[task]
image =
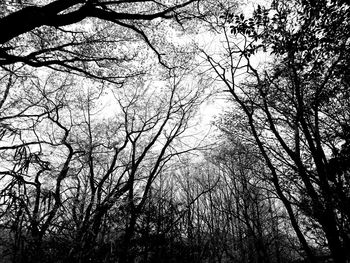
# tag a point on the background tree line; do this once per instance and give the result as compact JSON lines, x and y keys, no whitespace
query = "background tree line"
{"x":101,"y":157}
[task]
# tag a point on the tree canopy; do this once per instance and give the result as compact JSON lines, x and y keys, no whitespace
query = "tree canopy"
{"x":103,"y":155}
{"x":86,"y":37}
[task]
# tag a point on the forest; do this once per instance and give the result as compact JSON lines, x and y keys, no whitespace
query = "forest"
{"x":199,"y":131}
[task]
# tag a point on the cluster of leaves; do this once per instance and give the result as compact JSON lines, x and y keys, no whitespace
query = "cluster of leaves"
{"x":249,"y":26}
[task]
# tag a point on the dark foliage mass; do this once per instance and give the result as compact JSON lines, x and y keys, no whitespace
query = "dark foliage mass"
{"x":100,"y":159}
{"x":297,"y":111}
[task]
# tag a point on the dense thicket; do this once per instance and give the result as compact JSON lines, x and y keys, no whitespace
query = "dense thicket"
{"x":297,"y":112}
{"x":102,"y":157}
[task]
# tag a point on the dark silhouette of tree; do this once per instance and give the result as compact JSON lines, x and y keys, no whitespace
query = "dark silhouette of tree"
{"x":97,"y":161}
{"x":62,"y":13}
{"x":31,"y":205}
{"x":71,"y":179}
{"x":96,"y":39}
{"x":73,"y":184}
{"x":296,"y":108}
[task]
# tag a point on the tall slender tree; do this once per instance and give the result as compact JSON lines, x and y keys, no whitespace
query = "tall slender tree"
{"x":296,"y":107}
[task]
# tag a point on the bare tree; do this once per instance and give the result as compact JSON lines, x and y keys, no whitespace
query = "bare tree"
{"x":32,"y":130}
{"x":82,"y":179}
